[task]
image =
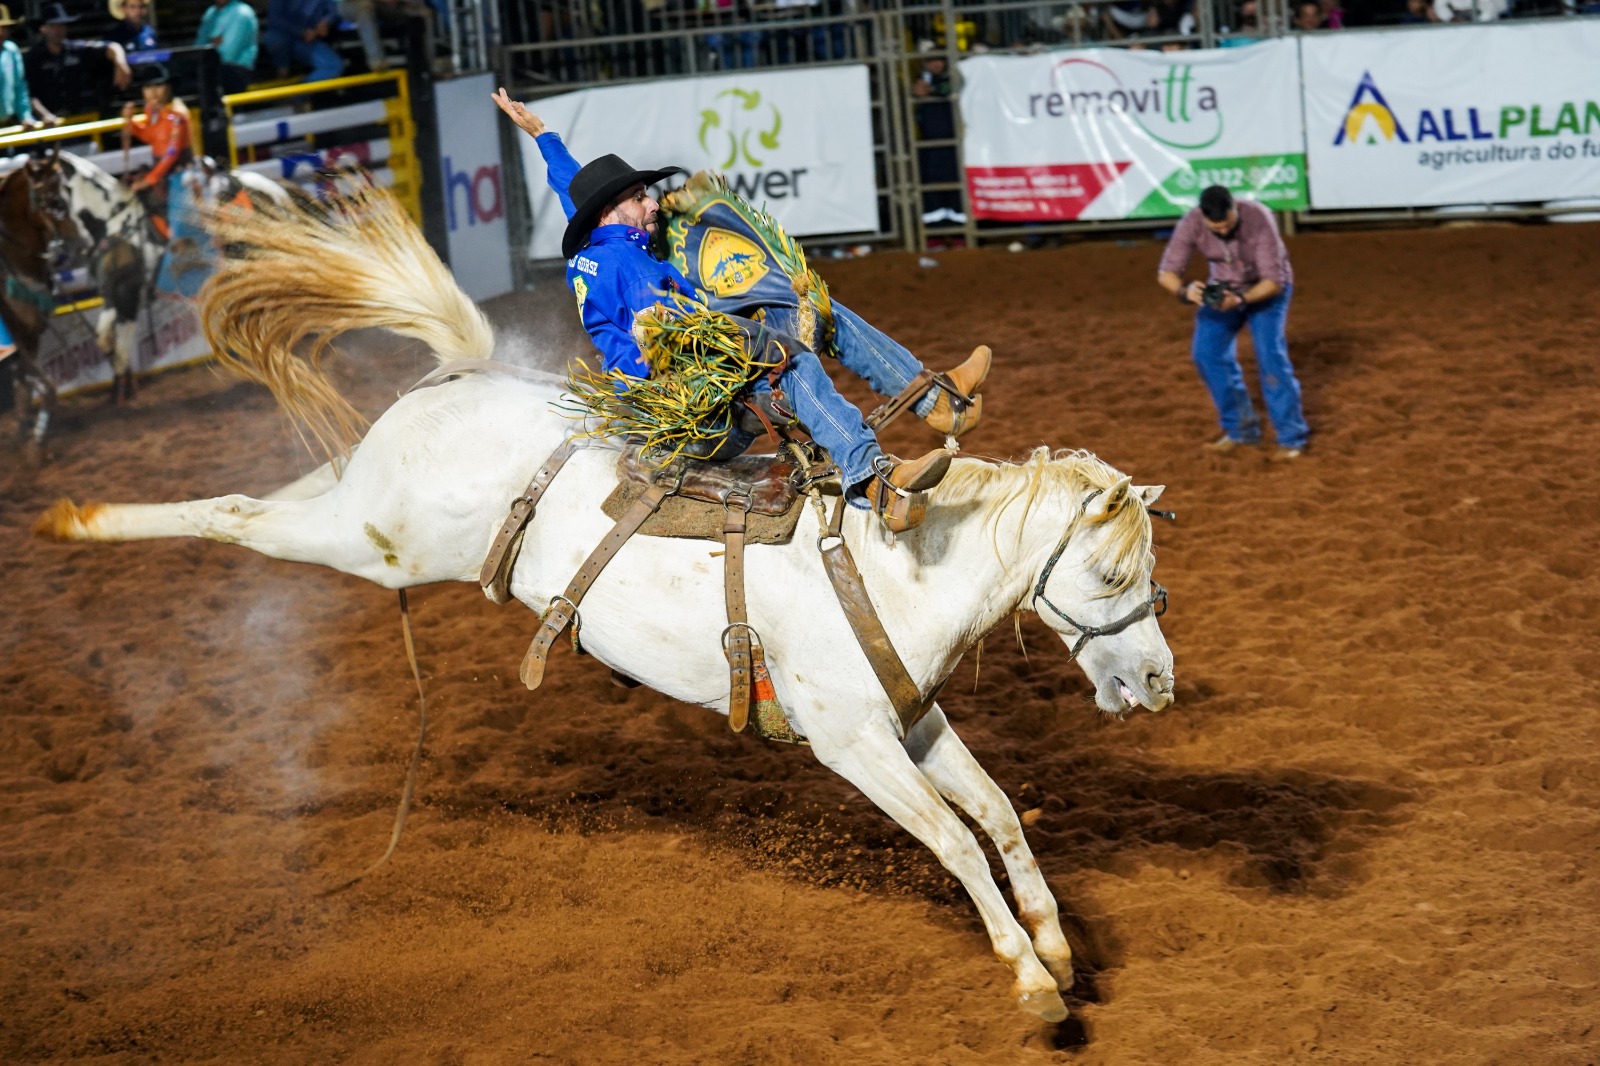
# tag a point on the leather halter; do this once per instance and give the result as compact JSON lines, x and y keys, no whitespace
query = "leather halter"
{"x":1156,"y":604}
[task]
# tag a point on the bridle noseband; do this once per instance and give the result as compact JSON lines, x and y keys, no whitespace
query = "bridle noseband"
{"x":1156,"y":604}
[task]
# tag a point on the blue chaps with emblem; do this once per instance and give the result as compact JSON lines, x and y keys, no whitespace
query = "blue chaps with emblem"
{"x":833,"y":421}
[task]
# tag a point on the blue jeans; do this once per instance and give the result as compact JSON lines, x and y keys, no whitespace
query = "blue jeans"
{"x":287,"y":49}
{"x":1217,"y":357}
{"x":833,"y":421}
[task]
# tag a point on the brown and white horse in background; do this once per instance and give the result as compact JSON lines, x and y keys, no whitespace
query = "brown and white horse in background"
{"x":34,"y":224}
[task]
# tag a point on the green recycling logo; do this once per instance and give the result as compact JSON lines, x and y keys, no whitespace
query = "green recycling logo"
{"x":744,"y":123}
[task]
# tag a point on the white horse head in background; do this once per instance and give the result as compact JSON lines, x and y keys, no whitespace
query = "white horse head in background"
{"x":424,"y":495}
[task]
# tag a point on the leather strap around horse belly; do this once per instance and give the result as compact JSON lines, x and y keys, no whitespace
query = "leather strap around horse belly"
{"x":495,"y":576}
{"x":736,"y":638}
{"x":564,"y":608}
{"x":902,"y":691}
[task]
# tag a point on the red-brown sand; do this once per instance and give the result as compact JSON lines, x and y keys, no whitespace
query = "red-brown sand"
{"x":1367,"y":833}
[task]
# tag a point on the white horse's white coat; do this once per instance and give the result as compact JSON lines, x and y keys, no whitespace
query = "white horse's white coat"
{"x":428,"y":487}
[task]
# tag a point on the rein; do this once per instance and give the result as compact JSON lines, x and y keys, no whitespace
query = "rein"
{"x":1156,"y":604}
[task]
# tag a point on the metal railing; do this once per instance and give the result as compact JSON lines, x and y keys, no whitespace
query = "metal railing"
{"x":284,"y":144}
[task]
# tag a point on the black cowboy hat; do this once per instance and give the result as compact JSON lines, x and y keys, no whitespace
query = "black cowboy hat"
{"x":56,"y":13}
{"x":594,"y":187}
{"x":151,"y":74}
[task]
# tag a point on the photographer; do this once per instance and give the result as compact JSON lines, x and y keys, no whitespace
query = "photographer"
{"x":1250,"y":281}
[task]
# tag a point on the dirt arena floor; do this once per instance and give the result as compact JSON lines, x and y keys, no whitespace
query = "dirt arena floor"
{"x":1367,"y":833}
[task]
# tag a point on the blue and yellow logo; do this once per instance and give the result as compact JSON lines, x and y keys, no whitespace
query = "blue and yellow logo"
{"x":731,"y":265}
{"x":1369,"y":117}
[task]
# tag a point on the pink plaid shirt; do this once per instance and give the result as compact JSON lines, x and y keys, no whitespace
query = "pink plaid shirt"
{"x":1255,"y":252}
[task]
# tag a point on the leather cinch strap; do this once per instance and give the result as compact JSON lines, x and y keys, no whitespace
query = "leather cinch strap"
{"x":564,"y":608}
{"x":495,"y":576}
{"x":902,"y":691}
{"x":736,"y":639}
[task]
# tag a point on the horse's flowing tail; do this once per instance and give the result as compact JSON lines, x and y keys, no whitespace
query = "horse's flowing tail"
{"x":296,"y":277}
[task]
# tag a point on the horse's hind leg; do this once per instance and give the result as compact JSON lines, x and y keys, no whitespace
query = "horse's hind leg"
{"x":306,"y":531}
{"x":947,"y":763}
{"x":876,"y":763}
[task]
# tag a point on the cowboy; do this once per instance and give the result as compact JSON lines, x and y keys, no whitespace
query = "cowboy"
{"x":133,"y":30}
{"x":65,"y":74}
{"x":16,"y":107}
{"x":164,"y":126}
{"x":611,"y":269}
{"x":230,"y":26}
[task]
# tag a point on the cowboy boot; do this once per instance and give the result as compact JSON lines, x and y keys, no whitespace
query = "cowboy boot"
{"x":118,"y":394}
{"x":896,"y":494}
{"x":132,"y":388}
{"x":954,"y":416}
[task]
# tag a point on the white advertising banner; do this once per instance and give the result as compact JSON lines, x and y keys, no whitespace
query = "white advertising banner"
{"x":798,"y":143}
{"x":168,"y":335}
{"x":474,"y":187}
{"x":1112,"y":133}
{"x":1454,"y":115}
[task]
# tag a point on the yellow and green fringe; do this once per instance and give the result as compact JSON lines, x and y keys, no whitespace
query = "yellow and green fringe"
{"x":699,"y":364}
{"x":682,"y":209}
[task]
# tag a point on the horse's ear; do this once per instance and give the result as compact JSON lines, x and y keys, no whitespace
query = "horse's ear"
{"x":1111,"y":500}
{"x":1149,"y":494}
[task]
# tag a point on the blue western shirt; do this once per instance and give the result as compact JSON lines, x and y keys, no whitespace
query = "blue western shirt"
{"x":614,"y":276}
{"x":234,"y":27}
{"x":14,"y":102}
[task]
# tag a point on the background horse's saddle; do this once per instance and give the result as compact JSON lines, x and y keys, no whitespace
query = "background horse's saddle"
{"x":770,"y":483}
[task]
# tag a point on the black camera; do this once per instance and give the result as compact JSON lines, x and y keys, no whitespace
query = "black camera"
{"x":1213,"y":295}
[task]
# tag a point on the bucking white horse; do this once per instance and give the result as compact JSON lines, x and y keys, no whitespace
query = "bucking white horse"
{"x":421,"y":499}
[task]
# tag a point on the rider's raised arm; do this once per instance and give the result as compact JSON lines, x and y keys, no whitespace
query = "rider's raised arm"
{"x":560,"y":167}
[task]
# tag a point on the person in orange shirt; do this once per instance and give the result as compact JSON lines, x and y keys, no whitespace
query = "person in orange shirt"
{"x":164,"y":126}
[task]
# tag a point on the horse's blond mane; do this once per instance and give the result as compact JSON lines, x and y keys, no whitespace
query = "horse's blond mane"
{"x":997,"y":486}
{"x":296,"y":277}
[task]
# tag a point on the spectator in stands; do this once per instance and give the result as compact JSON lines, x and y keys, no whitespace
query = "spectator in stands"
{"x":735,"y":48}
{"x":364,"y":13}
{"x":164,"y":126}
{"x":1170,"y":18}
{"x":16,"y":106}
{"x":132,"y":31}
{"x":1419,"y":11}
{"x":1246,"y":31}
{"x":936,"y":121}
{"x":1308,"y":16}
{"x":1470,"y":10}
{"x":297,"y":32}
{"x":68,"y":76}
{"x":230,"y":27}
{"x":1126,"y":18}
{"x":1250,"y":282}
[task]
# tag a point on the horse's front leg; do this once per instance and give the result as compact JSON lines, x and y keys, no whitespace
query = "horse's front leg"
{"x":874,"y":761}
{"x":947,"y":763}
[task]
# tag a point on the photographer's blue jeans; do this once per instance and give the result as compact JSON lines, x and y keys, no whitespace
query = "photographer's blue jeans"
{"x":1216,"y":355}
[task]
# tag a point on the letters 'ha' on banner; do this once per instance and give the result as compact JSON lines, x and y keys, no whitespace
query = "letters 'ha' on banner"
{"x":1456,"y":115}
{"x":798,"y":143}
{"x":1114,"y":134}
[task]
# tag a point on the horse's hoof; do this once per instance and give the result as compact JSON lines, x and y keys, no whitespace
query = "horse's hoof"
{"x":1060,"y":967}
{"x":1046,"y":1003}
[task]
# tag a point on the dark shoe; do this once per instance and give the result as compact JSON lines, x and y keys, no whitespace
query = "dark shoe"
{"x":897,"y":496}
{"x":1225,"y":444}
{"x":967,"y":379}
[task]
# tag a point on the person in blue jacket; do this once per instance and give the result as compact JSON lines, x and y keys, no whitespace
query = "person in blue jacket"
{"x":611,"y":217}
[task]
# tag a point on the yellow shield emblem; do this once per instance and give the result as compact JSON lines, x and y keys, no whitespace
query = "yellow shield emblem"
{"x":730,"y":265}
{"x":580,"y":290}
